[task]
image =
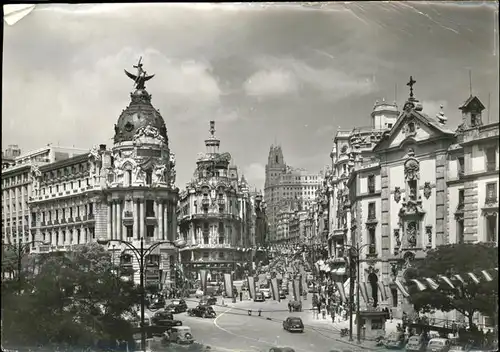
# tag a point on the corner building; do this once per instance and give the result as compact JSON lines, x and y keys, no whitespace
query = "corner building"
{"x":216,"y":216}
{"x":125,"y":193}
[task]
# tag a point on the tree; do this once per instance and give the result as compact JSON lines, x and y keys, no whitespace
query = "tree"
{"x":76,"y":298}
{"x":466,"y":298}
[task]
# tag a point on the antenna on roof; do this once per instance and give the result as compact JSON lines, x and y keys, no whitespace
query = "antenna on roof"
{"x":470,"y":82}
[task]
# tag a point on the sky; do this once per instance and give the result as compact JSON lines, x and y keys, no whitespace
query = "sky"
{"x":287,"y":74}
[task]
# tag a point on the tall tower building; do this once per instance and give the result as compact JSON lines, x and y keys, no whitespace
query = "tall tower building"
{"x":286,"y":189}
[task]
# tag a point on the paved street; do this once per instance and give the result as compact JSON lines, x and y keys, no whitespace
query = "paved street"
{"x":235,"y":330}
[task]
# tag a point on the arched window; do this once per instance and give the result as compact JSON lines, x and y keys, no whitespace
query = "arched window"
{"x":149,"y":177}
{"x":277,"y":160}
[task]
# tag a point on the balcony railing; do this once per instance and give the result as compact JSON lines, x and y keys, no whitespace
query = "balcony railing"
{"x":63,"y":221}
{"x":90,"y":217}
{"x":491,"y":200}
{"x":56,"y":222}
{"x":205,"y":201}
{"x":127,"y":214}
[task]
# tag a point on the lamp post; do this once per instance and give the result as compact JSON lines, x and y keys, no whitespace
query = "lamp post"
{"x":20,"y":250}
{"x":141,"y":253}
{"x":354,"y":254}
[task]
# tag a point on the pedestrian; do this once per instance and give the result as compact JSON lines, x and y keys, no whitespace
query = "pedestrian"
{"x":290,"y":306}
{"x":323,"y":312}
{"x":333,"y":315}
{"x":315,"y":312}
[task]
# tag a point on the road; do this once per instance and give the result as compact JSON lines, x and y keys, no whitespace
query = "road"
{"x":234,"y":330}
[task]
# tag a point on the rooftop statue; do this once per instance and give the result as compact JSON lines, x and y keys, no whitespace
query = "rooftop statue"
{"x":141,"y":76}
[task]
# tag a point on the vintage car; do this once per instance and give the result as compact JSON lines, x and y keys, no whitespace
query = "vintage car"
{"x":282,"y":295}
{"x":208,"y":301}
{"x":416,"y":344}
{"x":281,"y":349}
{"x":165,"y":318}
{"x":395,"y":341}
{"x":157,"y":303}
{"x":177,"y":306}
{"x":202,"y":312}
{"x":179,"y":335}
{"x":438,"y":345}
{"x":259,"y":297}
{"x":293,"y":324}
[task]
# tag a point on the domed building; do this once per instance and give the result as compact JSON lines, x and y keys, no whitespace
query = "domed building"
{"x":124,"y":193}
{"x":216,"y":216}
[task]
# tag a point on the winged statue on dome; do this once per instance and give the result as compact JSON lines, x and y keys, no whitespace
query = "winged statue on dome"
{"x":141,"y":78}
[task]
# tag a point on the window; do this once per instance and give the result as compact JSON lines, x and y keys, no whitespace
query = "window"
{"x":371,"y":184}
{"x":371,"y":211}
{"x":491,"y":159}
{"x":221,"y":233}
{"x":371,"y":240}
{"x":130,"y":232}
{"x":71,"y":212}
{"x":461,"y":165}
{"x":79,"y":183}
{"x":206,"y":233}
{"x":474,"y":120}
{"x":389,"y":125}
{"x":221,"y":255}
{"x":394,"y":294}
{"x":491,"y":228}
{"x":64,"y":236}
{"x":91,"y":209}
{"x":491,"y":192}
{"x":460,"y":230}
{"x":277,"y":160}
{"x":150,"y":231}
{"x":129,"y":176}
{"x":78,"y":235}
{"x":150,"y":210}
{"x":149,"y":177}
{"x":206,"y":255}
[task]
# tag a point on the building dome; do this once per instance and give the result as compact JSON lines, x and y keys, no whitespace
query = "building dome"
{"x":140,"y":113}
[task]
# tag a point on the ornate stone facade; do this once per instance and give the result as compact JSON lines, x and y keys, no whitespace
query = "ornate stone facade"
{"x":125,"y":193}
{"x":216,"y":216}
{"x":434,"y":185}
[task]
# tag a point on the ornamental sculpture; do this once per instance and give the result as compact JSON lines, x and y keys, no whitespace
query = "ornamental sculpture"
{"x":35,"y":172}
{"x":412,"y":169}
{"x":397,"y":238}
{"x":411,"y":233}
{"x":94,"y":154}
{"x":149,"y":131}
{"x":397,"y":194}
{"x":428,"y":231}
{"x":140,"y":78}
{"x":427,"y":190}
{"x":159,"y":173}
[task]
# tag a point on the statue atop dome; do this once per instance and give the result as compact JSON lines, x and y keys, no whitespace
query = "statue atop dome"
{"x":141,"y":76}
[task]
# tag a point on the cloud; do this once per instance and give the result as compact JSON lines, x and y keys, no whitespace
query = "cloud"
{"x":270,"y":82}
{"x":255,"y":173}
{"x":288,"y":75}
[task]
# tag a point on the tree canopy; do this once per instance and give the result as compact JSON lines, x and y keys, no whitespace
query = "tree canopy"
{"x":76,"y":298}
{"x":457,"y":259}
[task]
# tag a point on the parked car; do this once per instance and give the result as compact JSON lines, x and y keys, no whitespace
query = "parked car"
{"x":199,"y":293}
{"x":395,"y":341}
{"x":282,"y":295}
{"x":292,"y":324}
{"x":281,"y":349}
{"x":179,"y":335}
{"x":165,"y":318}
{"x":208,"y":301}
{"x":259,"y":297}
{"x":438,"y":345}
{"x":157,"y":303}
{"x":202,"y":312}
{"x":416,"y":344}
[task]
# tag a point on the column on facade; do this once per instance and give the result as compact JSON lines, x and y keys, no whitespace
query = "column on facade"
{"x":161,"y":234}
{"x":156,"y":235}
{"x":166,"y":229}
{"x":110,"y":219}
{"x":135,"y":212}
{"x":142,"y":216}
{"x":173,"y":222}
{"x":119,"y":220}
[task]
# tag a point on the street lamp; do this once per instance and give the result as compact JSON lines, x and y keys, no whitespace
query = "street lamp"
{"x":20,"y":250}
{"x":141,"y":253}
{"x":354,"y":254}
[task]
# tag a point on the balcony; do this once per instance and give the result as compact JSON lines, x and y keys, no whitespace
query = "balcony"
{"x":70,"y":220}
{"x":90,"y":217}
{"x":78,"y":219}
{"x":491,"y":166}
{"x":63,"y":221}
{"x":205,"y":202}
{"x":56,"y":222}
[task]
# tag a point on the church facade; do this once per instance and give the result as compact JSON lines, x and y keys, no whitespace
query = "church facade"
{"x":422,"y":186}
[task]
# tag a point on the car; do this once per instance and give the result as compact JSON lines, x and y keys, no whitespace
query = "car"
{"x":202,"y":312}
{"x":282,"y":295}
{"x":165,"y":318}
{"x":416,"y":344}
{"x":438,"y":345}
{"x":177,"y":306}
{"x":293,"y":324}
{"x":179,"y":335}
{"x":199,"y":293}
{"x":395,"y":341}
{"x":281,"y":349}
{"x":208,"y":301}
{"x":259,"y":297}
{"x":266,"y":292}
{"x":157,"y":304}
